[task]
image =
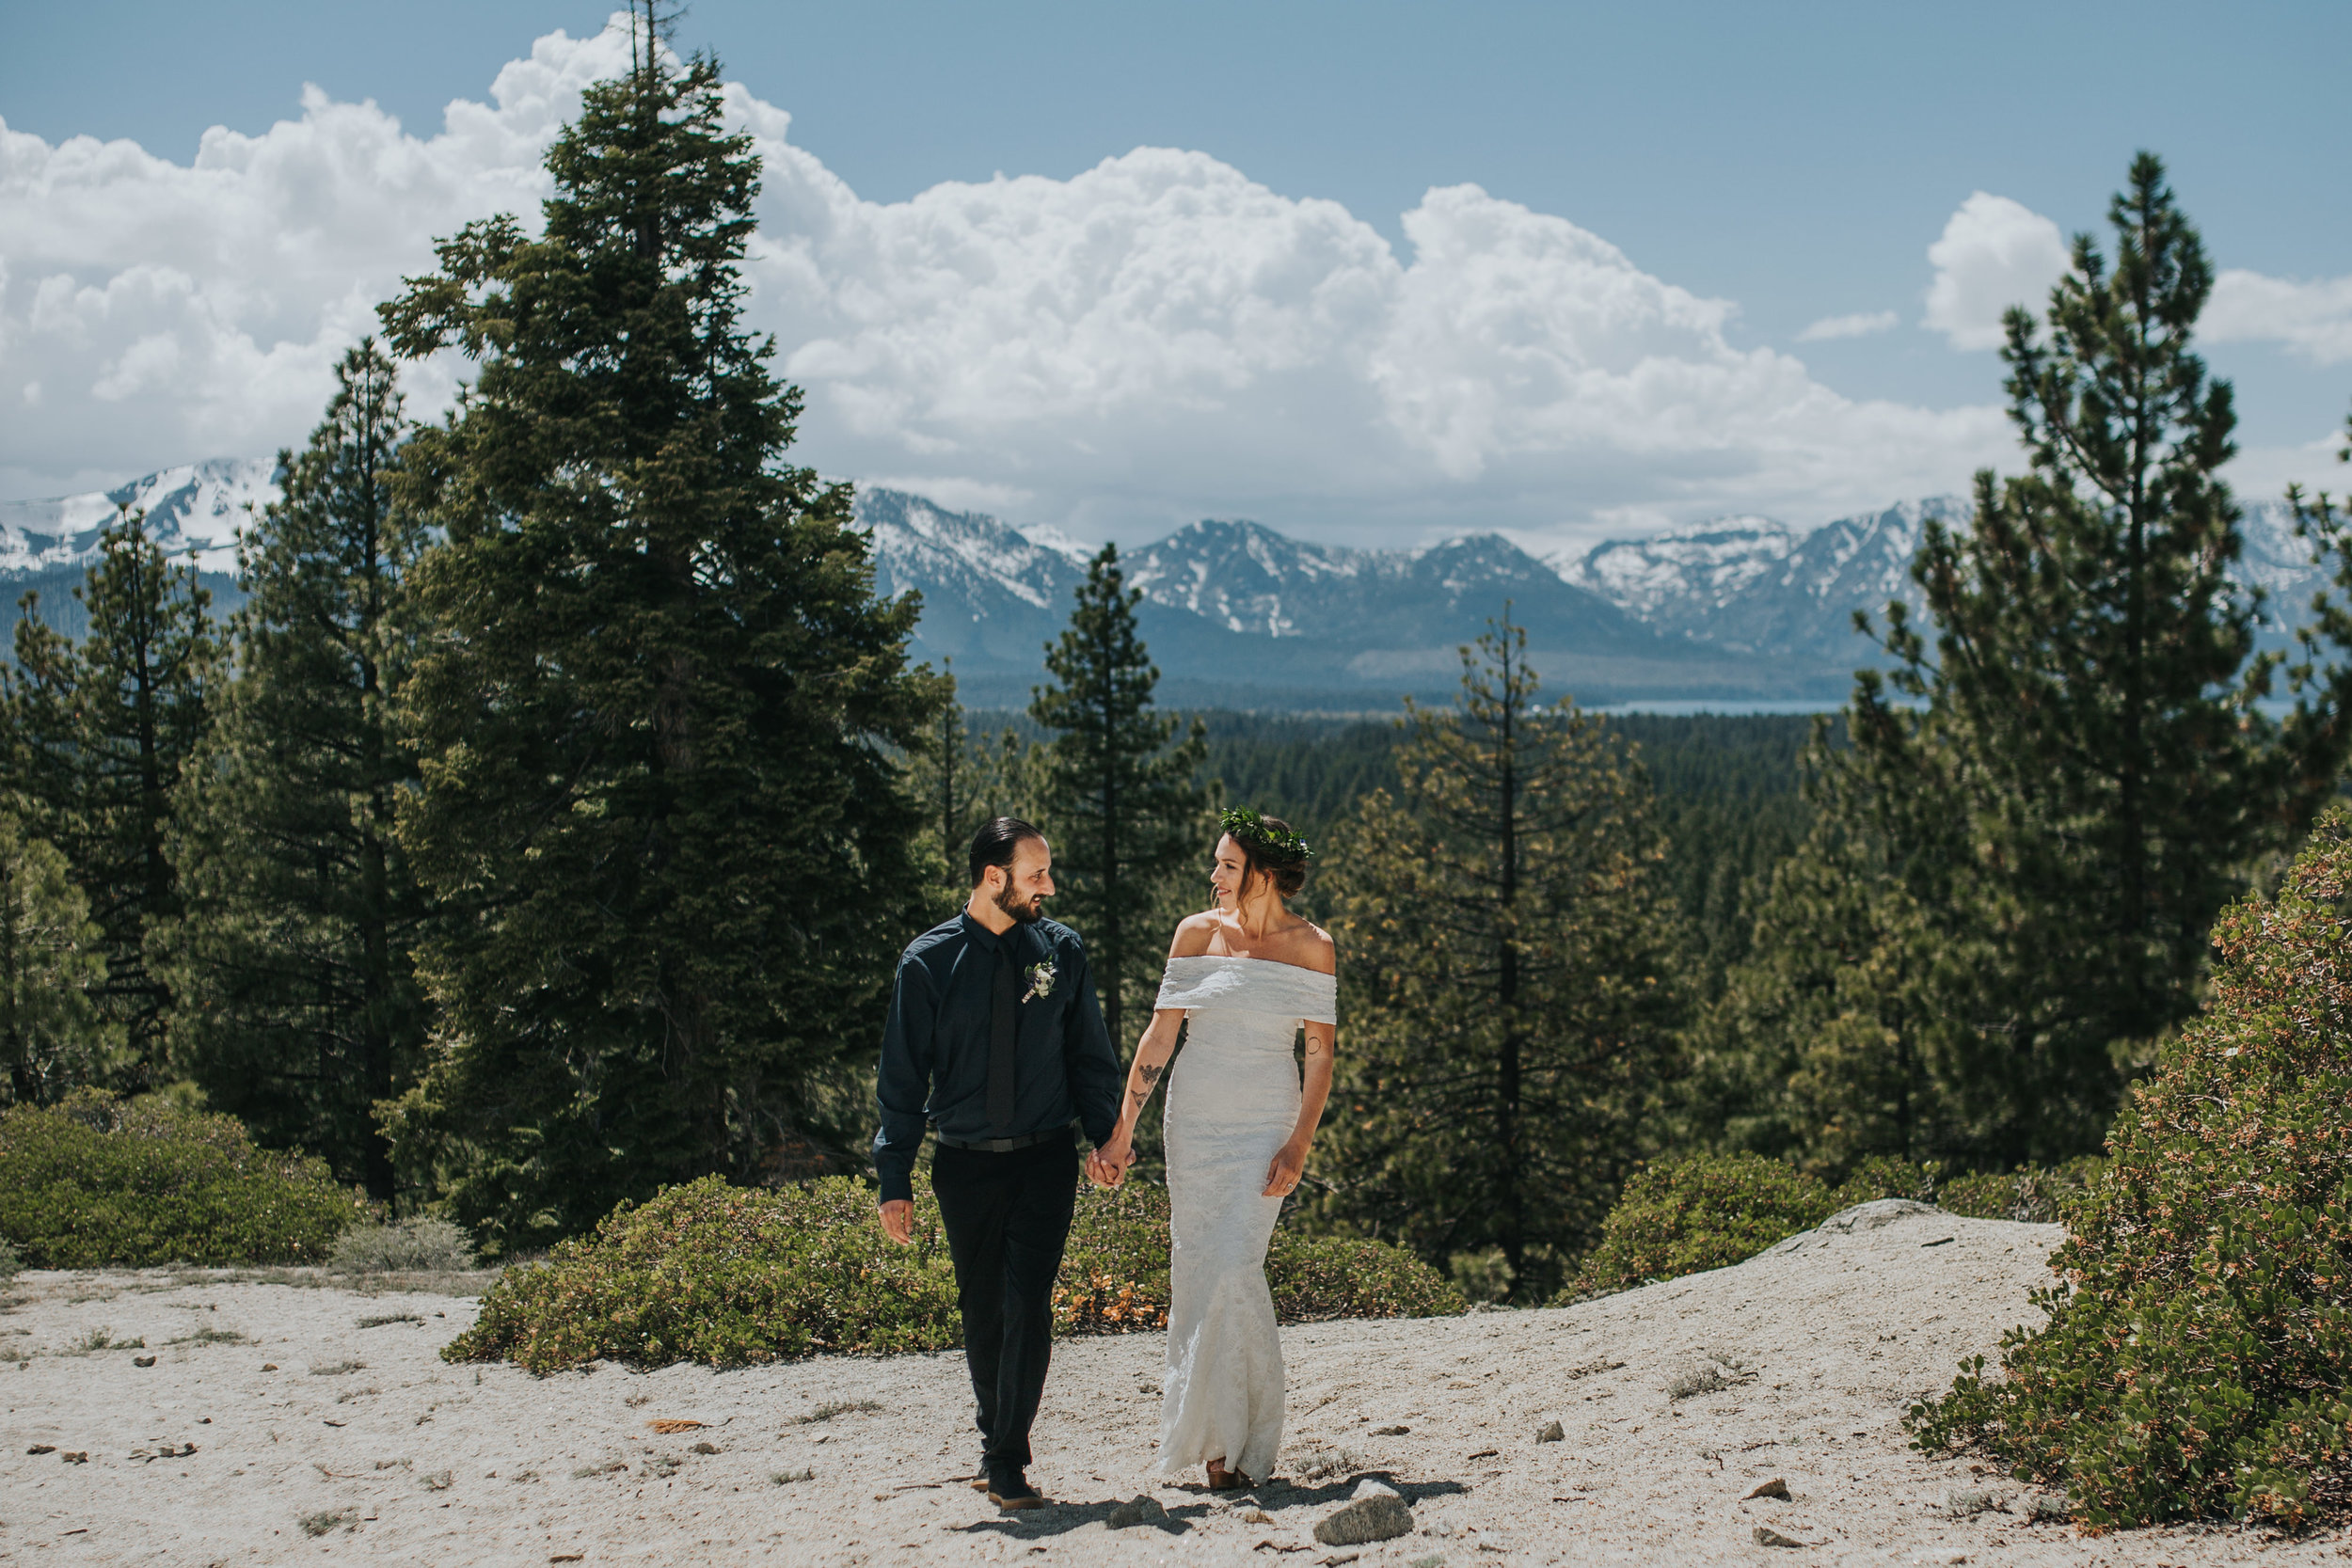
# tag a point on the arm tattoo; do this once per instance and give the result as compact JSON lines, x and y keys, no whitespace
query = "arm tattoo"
{"x":1151,"y":1073}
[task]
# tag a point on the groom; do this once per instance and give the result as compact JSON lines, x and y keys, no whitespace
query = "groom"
{"x":995,"y":1042}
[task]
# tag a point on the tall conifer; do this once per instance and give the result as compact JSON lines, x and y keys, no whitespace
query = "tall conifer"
{"x":97,"y":734}
{"x":658,"y":712}
{"x":2069,"y":771}
{"x":52,"y":1036}
{"x":1507,"y":952}
{"x":1125,"y":808}
{"x":299,"y":1008}
{"x":961,"y":780}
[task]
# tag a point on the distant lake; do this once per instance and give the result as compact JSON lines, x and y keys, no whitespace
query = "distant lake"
{"x":1681,"y":709}
{"x":2274,"y":707}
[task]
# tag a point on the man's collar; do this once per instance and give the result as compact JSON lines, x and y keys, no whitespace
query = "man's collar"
{"x":991,"y":940}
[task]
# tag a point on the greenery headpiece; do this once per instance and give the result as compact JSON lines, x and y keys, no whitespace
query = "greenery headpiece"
{"x":1279,"y":845}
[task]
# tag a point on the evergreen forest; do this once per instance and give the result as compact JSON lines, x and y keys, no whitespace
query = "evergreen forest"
{"x":543,"y":829}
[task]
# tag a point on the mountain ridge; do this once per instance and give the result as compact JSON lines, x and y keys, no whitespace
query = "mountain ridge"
{"x":1744,"y":607}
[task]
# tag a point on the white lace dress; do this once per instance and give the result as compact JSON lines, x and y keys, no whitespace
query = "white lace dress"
{"x":1232,"y":1101}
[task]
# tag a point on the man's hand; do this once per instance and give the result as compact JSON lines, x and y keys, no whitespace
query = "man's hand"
{"x":897,"y":1221}
{"x":1106,"y":1167}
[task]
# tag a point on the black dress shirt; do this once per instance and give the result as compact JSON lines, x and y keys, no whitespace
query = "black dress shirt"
{"x":934,"y":1054}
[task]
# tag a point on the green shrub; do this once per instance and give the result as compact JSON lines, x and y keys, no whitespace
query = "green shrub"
{"x":2195,"y":1360}
{"x":1319,"y":1277}
{"x":420,"y":1244}
{"x":1114,"y":1272}
{"x":1702,"y":1211}
{"x":2039,"y":1194}
{"x":94,"y":1181}
{"x":10,"y":1264}
{"x":1711,"y":1211}
{"x":730,"y":1275}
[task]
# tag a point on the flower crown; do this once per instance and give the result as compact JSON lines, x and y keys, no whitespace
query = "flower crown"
{"x":1279,"y":845}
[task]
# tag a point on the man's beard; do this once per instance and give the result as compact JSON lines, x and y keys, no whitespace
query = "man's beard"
{"x":1024,"y":911}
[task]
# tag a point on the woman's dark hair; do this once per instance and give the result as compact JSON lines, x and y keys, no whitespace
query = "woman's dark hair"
{"x":1286,"y":870}
{"x":993,"y":844}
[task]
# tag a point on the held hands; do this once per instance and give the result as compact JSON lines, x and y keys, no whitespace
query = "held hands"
{"x":1290,"y":1164}
{"x":1106,"y":1167}
{"x":897,"y":1221}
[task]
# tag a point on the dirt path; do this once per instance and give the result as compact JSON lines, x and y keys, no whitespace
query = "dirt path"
{"x":363,"y":1446}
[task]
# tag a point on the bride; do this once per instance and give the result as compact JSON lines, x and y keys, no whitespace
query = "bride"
{"x":1243,"y":980}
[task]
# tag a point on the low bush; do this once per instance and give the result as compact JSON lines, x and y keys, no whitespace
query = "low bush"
{"x":1711,"y":1211}
{"x":2196,"y":1356}
{"x":2039,"y":1194}
{"x":10,"y":1264}
{"x":95,"y":1180}
{"x":1319,"y":1277}
{"x":1703,"y":1212}
{"x":420,"y":1244}
{"x":730,"y":1275}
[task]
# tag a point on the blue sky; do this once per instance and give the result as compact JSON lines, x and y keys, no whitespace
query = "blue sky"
{"x":1796,"y":161}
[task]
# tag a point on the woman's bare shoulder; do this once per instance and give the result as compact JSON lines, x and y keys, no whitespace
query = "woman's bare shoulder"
{"x":1192,"y":935}
{"x":1311,"y":946}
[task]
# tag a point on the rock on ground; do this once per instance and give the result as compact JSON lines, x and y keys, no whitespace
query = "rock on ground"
{"x":400,"y":1458}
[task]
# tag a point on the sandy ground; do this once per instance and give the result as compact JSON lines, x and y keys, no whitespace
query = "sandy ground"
{"x":320,"y":1435}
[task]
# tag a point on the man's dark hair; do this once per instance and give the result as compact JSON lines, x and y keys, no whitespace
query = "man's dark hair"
{"x":993,"y":844}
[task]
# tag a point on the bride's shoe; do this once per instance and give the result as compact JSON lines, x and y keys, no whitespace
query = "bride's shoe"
{"x":1223,"y":1479}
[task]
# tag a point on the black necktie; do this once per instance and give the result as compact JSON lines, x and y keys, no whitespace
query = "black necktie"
{"x":1003,"y":1030}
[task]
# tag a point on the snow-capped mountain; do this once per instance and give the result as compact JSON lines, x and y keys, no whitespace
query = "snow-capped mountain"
{"x":1251,"y":581}
{"x":193,"y":511}
{"x":1215,"y":593}
{"x":1753,"y":586}
{"x":1235,"y":611}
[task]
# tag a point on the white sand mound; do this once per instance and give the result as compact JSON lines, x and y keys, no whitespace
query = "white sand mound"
{"x":363,"y":1446}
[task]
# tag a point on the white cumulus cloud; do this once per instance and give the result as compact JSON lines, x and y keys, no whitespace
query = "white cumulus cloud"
{"x":1994,"y":253}
{"x":1157,"y":338}
{"x":2314,"y":319}
{"x":1858,"y":325}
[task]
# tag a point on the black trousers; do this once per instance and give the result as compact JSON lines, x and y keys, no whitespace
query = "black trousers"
{"x":1007,"y":1217}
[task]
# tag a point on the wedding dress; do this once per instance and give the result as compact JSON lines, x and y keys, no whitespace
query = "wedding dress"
{"x":1232,"y":1103}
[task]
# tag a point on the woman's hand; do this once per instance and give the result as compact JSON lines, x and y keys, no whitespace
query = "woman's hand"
{"x":1106,"y":1167}
{"x":1290,"y":1163}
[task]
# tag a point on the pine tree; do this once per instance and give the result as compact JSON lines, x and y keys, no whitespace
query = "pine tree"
{"x":961,"y":780}
{"x":1507,"y":951}
{"x":98,"y":735}
{"x":1831,"y":1040}
{"x":2073,"y":776}
{"x":52,"y":1036}
{"x":659,"y":712}
{"x":299,"y":1008}
{"x":1125,"y":808}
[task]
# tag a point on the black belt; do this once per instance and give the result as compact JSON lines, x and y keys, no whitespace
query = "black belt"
{"x":1004,"y":1146}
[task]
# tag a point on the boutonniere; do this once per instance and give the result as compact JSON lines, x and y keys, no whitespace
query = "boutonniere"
{"x":1041,"y":980}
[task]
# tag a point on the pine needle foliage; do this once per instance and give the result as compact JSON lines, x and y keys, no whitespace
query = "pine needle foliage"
{"x":2196,"y":1356}
{"x":1121,"y":798}
{"x":299,"y":1009}
{"x":1832,"y":1042}
{"x":98,"y":732}
{"x":657,"y":716}
{"x":961,"y":779}
{"x":1509,"y":991}
{"x":52,"y":1036}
